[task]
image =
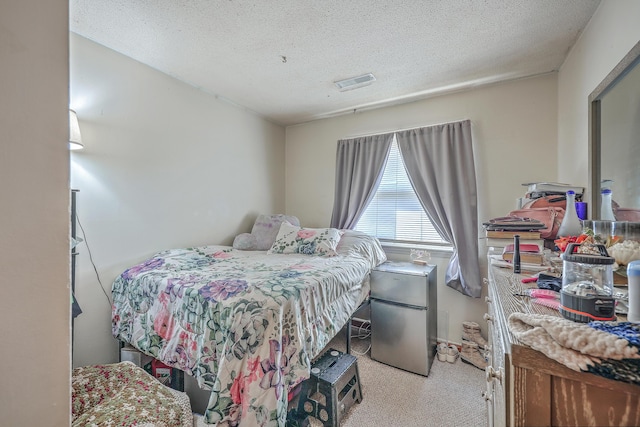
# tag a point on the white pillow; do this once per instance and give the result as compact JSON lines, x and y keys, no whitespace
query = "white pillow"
{"x":308,"y":241}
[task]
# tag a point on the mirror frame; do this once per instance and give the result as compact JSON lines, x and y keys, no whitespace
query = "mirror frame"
{"x":595,"y":144}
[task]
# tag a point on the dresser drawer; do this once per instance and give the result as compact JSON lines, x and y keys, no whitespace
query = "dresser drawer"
{"x":496,"y":387}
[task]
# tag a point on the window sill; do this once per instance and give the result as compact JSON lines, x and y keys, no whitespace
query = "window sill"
{"x":405,"y":248}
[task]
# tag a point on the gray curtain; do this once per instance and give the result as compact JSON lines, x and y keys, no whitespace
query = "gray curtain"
{"x":440,"y":166}
{"x":359,"y":166}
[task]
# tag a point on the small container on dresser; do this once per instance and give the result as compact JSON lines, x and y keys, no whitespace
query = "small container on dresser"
{"x":404,"y":315}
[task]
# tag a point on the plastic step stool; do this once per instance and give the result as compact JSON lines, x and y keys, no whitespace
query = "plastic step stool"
{"x":334,"y":386}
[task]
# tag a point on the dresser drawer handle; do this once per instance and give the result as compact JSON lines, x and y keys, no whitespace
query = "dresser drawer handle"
{"x":486,"y":396}
{"x":488,"y":300}
{"x":487,"y":317}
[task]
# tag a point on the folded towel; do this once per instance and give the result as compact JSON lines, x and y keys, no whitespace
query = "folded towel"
{"x":609,"y":349}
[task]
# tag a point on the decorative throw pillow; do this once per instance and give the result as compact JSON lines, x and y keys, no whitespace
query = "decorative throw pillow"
{"x":266,"y":227}
{"x":245,"y":242}
{"x":309,"y":241}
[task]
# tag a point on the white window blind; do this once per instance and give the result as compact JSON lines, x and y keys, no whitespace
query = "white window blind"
{"x":395,"y":213}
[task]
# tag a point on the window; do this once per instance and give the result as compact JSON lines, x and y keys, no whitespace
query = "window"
{"x":395,"y":213}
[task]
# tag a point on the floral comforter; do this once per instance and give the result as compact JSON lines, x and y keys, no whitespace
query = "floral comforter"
{"x":245,"y":324}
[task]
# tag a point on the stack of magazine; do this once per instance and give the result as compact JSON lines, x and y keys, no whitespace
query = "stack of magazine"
{"x":536,"y":190}
{"x":499,"y":232}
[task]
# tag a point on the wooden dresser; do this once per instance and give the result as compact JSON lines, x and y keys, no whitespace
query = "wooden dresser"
{"x":526,"y":388}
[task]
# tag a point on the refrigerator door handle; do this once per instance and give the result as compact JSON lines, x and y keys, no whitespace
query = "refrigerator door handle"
{"x":413,"y":307}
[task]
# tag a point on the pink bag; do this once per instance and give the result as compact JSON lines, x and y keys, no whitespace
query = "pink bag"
{"x":550,"y":216}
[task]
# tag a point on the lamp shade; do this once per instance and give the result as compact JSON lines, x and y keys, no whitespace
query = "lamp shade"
{"x":75,"y":139}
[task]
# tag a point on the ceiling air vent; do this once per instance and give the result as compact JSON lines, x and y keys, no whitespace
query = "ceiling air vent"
{"x":355,"y":82}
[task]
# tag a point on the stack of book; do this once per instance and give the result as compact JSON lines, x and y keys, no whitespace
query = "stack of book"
{"x":499,"y":239}
{"x":529,"y":253}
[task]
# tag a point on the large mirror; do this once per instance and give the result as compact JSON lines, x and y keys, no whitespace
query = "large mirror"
{"x":614,"y":134}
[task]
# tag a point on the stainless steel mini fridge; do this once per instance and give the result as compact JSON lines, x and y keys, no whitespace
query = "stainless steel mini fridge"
{"x":404,"y":315}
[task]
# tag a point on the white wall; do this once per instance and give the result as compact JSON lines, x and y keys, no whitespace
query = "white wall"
{"x":165,"y":165}
{"x":143,"y":189}
{"x":613,"y":30}
{"x":514,"y":130}
{"x":34,"y":214}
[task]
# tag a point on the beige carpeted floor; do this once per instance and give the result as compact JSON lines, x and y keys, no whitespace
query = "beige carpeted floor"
{"x":449,"y":396}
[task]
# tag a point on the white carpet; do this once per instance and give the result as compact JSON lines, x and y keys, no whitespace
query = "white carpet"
{"x":450,"y":396}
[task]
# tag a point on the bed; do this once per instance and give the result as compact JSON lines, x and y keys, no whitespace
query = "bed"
{"x":245,"y":324}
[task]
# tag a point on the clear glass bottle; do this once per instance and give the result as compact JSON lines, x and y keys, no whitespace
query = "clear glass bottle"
{"x":571,"y":225}
{"x":606,"y":207}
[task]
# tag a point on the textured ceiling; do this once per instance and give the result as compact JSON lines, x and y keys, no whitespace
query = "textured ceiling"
{"x":279,"y":58}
